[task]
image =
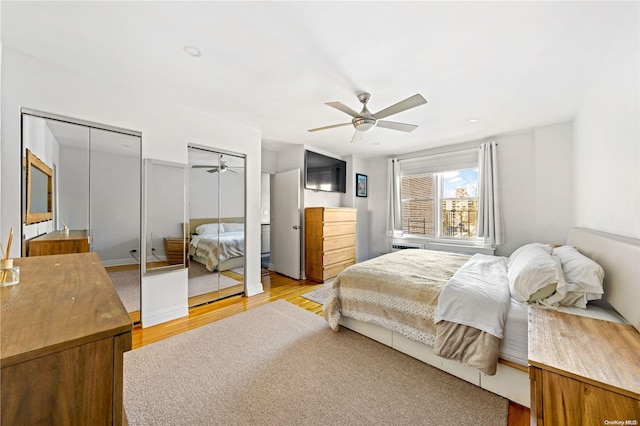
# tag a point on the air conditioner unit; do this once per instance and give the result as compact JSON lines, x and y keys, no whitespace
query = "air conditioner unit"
{"x":395,"y":246}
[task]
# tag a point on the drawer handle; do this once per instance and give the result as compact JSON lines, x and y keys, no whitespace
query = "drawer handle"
{"x":296,"y":226}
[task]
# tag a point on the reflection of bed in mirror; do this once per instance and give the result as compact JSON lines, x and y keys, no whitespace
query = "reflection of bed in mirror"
{"x":217,"y":243}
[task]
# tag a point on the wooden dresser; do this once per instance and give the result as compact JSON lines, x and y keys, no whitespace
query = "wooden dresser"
{"x":330,"y":241}
{"x":58,"y":243}
{"x":583,"y":371}
{"x":63,"y":334}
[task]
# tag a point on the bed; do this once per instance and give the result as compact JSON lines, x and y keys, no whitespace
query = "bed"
{"x":410,"y":321}
{"x":217,"y":243}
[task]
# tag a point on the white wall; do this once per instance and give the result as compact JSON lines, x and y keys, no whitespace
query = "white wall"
{"x":73,"y":187}
{"x":167,"y":128}
{"x":269,"y":161}
{"x":535,"y":177}
{"x":377,"y":207}
{"x":363,"y":231}
{"x":203,"y":190}
{"x":165,"y":197}
{"x":607,"y":141}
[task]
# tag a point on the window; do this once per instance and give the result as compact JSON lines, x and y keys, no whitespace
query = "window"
{"x":441,"y":204}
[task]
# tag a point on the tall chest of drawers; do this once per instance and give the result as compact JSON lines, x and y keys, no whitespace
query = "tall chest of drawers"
{"x":330,"y":241}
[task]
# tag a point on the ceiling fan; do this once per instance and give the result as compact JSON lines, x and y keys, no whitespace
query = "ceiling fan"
{"x":215,"y":169}
{"x":365,"y":120}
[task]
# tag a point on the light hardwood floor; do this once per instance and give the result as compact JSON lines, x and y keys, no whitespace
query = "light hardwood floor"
{"x":276,"y":287}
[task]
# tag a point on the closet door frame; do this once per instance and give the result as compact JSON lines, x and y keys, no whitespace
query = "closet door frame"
{"x":219,"y":153}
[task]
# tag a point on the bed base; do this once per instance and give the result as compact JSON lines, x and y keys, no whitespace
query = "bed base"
{"x":511,"y":381}
{"x":234,"y":262}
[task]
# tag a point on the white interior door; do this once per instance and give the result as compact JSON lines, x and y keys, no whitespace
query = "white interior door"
{"x":285,"y":234}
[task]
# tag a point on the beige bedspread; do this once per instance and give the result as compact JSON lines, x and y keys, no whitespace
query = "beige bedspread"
{"x":398,"y":291}
{"x":217,"y":248}
{"x":467,"y":345}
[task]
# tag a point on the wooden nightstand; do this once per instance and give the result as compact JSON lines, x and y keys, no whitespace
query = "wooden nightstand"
{"x":176,"y":250}
{"x":583,"y":371}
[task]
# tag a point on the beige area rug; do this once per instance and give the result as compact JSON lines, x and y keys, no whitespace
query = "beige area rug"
{"x":321,"y":294}
{"x":279,"y":364}
{"x":202,"y":281}
{"x":127,"y":285}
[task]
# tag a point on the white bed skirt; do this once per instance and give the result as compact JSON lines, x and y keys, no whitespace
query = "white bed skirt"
{"x":509,"y":382}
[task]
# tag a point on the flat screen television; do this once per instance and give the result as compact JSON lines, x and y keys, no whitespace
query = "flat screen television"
{"x":323,"y":173}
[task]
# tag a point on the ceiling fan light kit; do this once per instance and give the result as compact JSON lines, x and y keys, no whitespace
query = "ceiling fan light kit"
{"x":366,"y":121}
{"x":364,"y":124}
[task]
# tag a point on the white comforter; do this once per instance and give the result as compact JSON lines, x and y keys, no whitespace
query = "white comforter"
{"x":477,"y":295}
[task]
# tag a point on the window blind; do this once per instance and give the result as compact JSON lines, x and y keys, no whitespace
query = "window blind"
{"x":443,"y":162}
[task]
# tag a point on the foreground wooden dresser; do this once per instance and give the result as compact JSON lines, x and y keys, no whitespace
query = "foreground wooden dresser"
{"x":63,"y":334}
{"x":58,"y":243}
{"x":330,"y":241}
{"x":583,"y":371}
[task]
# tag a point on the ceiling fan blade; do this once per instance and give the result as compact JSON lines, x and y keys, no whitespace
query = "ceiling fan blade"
{"x":403,"y":127}
{"x":214,"y":170}
{"x":329,"y":127}
{"x":342,"y":107}
{"x":202,"y":166}
{"x":412,"y":102}
{"x":357,"y":137}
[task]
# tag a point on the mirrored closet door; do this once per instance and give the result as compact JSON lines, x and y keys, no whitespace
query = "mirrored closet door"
{"x":92,"y":196}
{"x":216,"y":225}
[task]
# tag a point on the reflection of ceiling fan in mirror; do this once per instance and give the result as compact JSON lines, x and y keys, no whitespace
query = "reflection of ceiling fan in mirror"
{"x":365,"y":120}
{"x":215,"y":169}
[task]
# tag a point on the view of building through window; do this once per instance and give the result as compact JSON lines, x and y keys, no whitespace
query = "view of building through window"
{"x":456,"y":193}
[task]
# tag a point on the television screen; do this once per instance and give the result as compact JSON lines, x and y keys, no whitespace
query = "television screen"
{"x":322,"y":173}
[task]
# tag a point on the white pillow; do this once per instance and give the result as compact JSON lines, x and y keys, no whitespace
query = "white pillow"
{"x":523,"y":249}
{"x":584,"y":277}
{"x":233,"y":227}
{"x":534,"y":272}
{"x":209,"y":229}
{"x":579,"y":299}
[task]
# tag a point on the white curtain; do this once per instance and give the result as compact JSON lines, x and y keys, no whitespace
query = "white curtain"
{"x":490,"y":223}
{"x":394,"y":219}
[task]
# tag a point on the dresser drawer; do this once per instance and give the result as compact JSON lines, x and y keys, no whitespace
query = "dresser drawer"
{"x":339,"y":215}
{"x":340,"y":255}
{"x":338,"y":228}
{"x":337,"y":242}
{"x":333,"y":270}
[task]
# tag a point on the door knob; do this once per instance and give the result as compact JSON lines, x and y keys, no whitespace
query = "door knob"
{"x":296,"y":226}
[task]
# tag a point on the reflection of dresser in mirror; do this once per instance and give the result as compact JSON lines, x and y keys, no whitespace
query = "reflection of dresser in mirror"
{"x":58,"y":243}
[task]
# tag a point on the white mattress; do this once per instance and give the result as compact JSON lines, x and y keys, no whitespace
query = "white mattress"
{"x":514,"y":345}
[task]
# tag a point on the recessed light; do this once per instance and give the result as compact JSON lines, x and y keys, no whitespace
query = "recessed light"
{"x":193,"y":51}
{"x":473,"y":120}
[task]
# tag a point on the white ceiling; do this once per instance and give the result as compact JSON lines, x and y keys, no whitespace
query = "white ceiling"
{"x":273,"y":65}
